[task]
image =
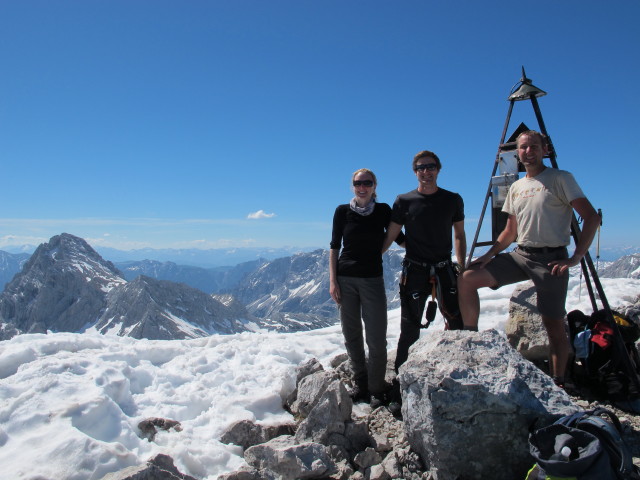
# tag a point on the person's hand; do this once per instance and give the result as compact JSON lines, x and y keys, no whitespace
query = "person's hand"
{"x":334,"y":291}
{"x":481,"y":261}
{"x":559,"y":267}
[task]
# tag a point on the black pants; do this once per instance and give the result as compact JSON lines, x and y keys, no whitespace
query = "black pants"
{"x":415,"y":289}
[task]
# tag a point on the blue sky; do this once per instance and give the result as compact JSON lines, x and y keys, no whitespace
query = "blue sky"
{"x":168,"y":124}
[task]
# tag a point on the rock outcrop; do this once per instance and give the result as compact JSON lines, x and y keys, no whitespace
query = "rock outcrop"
{"x":524,"y":328}
{"x":160,"y":467}
{"x":462,"y":392}
{"x":471,"y":392}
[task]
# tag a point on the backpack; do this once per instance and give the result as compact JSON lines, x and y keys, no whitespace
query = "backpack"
{"x":582,"y":446}
{"x":604,"y":368}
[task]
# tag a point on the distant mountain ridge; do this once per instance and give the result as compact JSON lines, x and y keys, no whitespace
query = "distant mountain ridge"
{"x":625,"y":267}
{"x":61,"y":287}
{"x":210,"y":258}
{"x":10,"y":264}
{"x":68,"y":286}
{"x":159,"y":309}
{"x":209,"y":280}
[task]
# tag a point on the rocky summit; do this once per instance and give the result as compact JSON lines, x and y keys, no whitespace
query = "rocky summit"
{"x":462,"y":392}
{"x":62,"y":287}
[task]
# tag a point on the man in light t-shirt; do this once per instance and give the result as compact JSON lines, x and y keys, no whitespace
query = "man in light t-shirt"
{"x":540,"y":207}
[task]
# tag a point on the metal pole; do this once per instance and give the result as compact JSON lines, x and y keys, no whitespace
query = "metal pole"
{"x":488,"y":195}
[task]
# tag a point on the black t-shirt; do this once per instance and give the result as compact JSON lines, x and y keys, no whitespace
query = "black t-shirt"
{"x":428,"y":222}
{"x":361,"y":238}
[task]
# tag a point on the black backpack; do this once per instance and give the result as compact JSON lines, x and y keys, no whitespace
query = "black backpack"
{"x":605,"y":372}
{"x":584,"y":446}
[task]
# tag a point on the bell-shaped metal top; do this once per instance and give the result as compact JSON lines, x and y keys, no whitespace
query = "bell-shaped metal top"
{"x":524,"y":89}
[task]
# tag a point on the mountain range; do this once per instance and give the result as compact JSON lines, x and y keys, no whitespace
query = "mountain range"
{"x":67,"y":286}
{"x":225,"y":257}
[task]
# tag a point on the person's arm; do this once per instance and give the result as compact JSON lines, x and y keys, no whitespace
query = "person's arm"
{"x":506,"y":238}
{"x":460,"y":242}
{"x":334,"y":288}
{"x":590,"y":226}
{"x":339,"y":219}
{"x":392,"y":233}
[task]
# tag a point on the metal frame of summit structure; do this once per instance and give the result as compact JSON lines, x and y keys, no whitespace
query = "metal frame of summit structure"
{"x":508,"y":167}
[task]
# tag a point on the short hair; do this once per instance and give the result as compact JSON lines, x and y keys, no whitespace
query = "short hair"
{"x":533,"y":133}
{"x":373,"y":176}
{"x":426,"y":154}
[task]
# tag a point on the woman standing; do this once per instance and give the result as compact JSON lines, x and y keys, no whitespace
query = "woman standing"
{"x":357,"y":286}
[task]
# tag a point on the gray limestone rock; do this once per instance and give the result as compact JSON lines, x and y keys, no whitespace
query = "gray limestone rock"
{"x":290,"y":460}
{"x":246,"y":433}
{"x":524,"y":328}
{"x":387,"y":432}
{"x":246,"y":472}
{"x":150,"y":426}
{"x":328,"y":415}
{"x":367,"y":458}
{"x":160,"y":467}
{"x":310,"y":390}
{"x":471,"y":392}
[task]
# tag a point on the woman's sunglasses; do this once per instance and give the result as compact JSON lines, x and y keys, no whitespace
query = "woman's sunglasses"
{"x":365,"y":183}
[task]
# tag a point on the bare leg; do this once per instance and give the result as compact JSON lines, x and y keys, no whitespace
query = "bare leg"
{"x":468,"y":284}
{"x":559,"y":347}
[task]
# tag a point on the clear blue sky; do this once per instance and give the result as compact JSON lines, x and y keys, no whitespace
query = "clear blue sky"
{"x":167,"y":123}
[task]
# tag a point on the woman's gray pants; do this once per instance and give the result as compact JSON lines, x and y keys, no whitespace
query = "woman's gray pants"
{"x":363,"y":300}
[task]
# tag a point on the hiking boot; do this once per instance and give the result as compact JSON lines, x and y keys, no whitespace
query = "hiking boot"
{"x":379,"y":399}
{"x":360,"y":393}
{"x":395,"y":400}
{"x":395,"y":408}
{"x":394,"y":392}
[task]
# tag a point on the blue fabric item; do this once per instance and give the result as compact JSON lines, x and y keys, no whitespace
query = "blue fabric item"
{"x":582,"y":343}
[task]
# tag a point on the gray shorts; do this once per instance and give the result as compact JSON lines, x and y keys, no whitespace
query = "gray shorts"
{"x":517,"y":266}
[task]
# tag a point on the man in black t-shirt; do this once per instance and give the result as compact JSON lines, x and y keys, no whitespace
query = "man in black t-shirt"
{"x":430,"y":215}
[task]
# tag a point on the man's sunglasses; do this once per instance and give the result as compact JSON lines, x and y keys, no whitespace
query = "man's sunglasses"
{"x":365,"y":183}
{"x":427,"y":166}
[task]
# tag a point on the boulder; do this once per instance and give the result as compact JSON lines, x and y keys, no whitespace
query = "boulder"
{"x":471,"y":392}
{"x":290,"y":460}
{"x":304,"y":369}
{"x":160,"y":467}
{"x":524,"y":328}
{"x":311,"y":389}
{"x":367,"y":458}
{"x":328,"y":415}
{"x":150,"y":426}
{"x":246,"y":433}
